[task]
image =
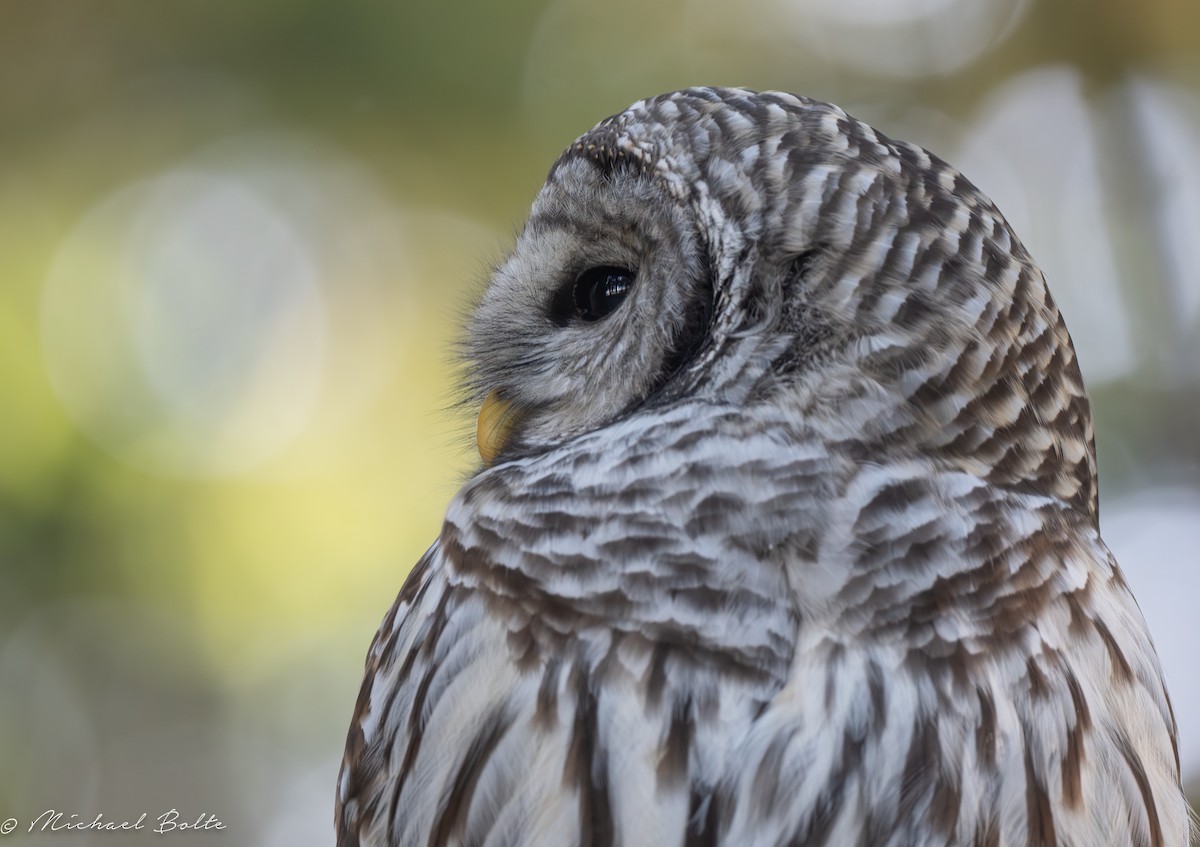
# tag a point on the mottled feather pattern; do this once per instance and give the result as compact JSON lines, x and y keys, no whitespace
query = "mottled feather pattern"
{"x":798,"y":546}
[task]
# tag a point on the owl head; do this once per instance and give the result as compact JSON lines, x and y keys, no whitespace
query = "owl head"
{"x":761,"y":249}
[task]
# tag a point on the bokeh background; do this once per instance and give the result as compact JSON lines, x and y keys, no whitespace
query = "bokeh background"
{"x":235,"y":239}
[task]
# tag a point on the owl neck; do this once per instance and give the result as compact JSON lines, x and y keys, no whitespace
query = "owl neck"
{"x":992,"y":389}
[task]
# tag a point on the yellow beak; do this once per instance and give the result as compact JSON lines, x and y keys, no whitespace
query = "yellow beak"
{"x":497,"y":417}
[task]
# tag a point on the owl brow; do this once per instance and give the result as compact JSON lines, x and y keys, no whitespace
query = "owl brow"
{"x":603,"y":148}
{"x":612,"y":164}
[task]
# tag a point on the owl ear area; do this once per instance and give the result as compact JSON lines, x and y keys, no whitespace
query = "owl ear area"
{"x":497,"y":420}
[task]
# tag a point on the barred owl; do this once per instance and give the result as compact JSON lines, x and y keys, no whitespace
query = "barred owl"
{"x":787,"y":530}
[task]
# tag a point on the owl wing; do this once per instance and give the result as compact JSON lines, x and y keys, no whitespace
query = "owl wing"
{"x":435,"y":713}
{"x":486,"y":716}
{"x":366,"y":770}
{"x":453,"y":742}
{"x":1007,"y":692}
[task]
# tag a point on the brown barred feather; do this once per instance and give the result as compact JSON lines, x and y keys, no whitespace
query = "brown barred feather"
{"x":791,"y":537}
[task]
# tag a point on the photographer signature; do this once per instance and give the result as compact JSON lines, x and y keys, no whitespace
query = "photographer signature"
{"x":52,"y":820}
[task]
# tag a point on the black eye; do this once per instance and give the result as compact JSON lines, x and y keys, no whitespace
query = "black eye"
{"x":598,"y":291}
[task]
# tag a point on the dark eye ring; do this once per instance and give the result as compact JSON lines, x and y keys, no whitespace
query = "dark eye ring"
{"x":600,"y":290}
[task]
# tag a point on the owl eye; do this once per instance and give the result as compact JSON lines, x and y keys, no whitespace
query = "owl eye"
{"x":600,"y":290}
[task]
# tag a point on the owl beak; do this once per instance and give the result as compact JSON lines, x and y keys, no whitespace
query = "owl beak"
{"x":497,"y":417}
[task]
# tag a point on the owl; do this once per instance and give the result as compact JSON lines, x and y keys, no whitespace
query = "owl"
{"x":786,"y":531}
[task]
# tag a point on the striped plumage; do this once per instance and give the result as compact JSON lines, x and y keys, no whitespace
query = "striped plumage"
{"x":797,"y":546}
